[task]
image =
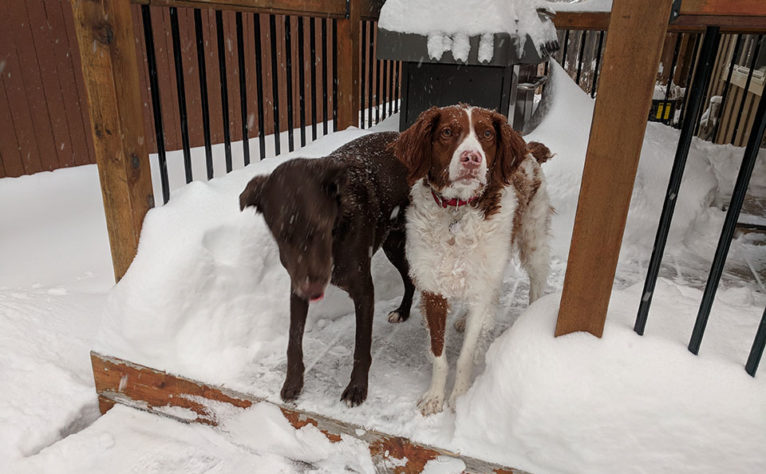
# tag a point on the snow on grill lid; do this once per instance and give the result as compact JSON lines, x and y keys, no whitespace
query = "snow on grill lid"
{"x":448,"y":23}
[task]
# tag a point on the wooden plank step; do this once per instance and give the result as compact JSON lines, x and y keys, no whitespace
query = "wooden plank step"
{"x":187,"y":400}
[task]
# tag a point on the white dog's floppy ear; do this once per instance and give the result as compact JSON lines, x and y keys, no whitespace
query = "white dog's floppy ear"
{"x":251,"y":196}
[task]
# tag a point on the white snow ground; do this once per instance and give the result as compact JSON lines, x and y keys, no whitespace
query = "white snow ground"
{"x":207,"y":298}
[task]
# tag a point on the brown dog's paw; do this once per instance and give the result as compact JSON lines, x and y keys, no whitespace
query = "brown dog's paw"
{"x":291,"y":390}
{"x":354,"y":395}
{"x":396,"y":317}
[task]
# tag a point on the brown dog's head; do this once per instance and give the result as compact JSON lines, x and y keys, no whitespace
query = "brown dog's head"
{"x":460,"y":149}
{"x":299,"y":202}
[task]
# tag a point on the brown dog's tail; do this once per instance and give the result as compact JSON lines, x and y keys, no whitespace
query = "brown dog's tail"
{"x":539,"y":151}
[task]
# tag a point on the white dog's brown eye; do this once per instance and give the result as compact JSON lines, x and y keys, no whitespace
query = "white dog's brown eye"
{"x":487,"y":133}
{"x":447,"y":132}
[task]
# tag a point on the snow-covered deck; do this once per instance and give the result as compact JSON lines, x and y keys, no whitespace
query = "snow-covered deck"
{"x":206,"y":298}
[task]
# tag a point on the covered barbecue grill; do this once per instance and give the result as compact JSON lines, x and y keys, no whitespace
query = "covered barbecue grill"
{"x":495,"y":69}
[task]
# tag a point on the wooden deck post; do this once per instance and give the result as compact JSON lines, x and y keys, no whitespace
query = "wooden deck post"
{"x":634,"y":44}
{"x":349,"y":57}
{"x":104,"y":30}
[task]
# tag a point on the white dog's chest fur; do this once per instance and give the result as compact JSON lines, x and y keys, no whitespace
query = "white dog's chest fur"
{"x":456,"y":252}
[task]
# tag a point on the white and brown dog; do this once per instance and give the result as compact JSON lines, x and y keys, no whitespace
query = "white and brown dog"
{"x":477,"y":191}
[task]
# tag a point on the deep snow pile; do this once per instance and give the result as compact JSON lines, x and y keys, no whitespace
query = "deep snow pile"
{"x":449,"y":23}
{"x":52,"y":295}
{"x":55,"y":269}
{"x":624,"y":403}
{"x":258,"y":439}
{"x":207,"y":298}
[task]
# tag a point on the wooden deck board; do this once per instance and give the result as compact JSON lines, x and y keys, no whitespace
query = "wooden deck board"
{"x":122,"y":382}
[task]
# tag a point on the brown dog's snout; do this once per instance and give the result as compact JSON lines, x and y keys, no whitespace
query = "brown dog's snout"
{"x":312,"y":290}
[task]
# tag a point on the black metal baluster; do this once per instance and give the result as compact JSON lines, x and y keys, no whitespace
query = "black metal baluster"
{"x":181,"y":92}
{"x":727,"y":234}
{"x":383,"y":85}
{"x":259,"y":82}
{"x":756,"y":351}
{"x":396,"y":87}
{"x":334,"y":75}
{"x":312,"y":45}
{"x":324,"y":76}
{"x":203,"y":92}
{"x":690,"y":77}
{"x":583,"y":37}
{"x":673,"y":62}
{"x":377,"y":79}
{"x":154,"y":88}
{"x":224,"y":88}
{"x":747,"y":88}
{"x":302,"y":81}
{"x":725,"y":94}
{"x":371,"y":65}
{"x":696,"y":94}
{"x":391,"y":65}
{"x":364,"y":71}
{"x":594,"y":86}
{"x":243,"y":89}
{"x":274,"y":81}
{"x":564,"y":52}
{"x":289,"y":74}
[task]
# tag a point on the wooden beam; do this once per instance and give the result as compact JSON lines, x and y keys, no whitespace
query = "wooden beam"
{"x":728,"y":24}
{"x":683,"y":23}
{"x":616,"y":136}
{"x":122,"y":382}
{"x":723,"y":7}
{"x":320,"y":8}
{"x":104,"y":31}
{"x":349,"y":57}
{"x":581,"y":20}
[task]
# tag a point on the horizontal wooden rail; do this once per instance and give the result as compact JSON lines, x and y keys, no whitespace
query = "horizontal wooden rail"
{"x":581,"y":20}
{"x":158,"y":392}
{"x":323,"y":8}
{"x":723,"y":7}
{"x":683,"y":23}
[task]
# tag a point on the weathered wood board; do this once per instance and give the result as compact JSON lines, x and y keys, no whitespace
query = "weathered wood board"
{"x":186,"y":400}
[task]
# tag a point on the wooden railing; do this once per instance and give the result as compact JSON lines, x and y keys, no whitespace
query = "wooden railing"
{"x":637,"y":30}
{"x":105,"y":32}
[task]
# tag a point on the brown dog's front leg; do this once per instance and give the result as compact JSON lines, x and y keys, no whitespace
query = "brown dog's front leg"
{"x":294,"y":379}
{"x":363,"y":294}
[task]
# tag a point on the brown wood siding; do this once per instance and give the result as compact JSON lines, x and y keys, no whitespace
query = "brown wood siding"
{"x":42,"y":98}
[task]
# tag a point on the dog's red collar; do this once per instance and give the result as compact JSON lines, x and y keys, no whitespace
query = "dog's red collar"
{"x":454,"y":202}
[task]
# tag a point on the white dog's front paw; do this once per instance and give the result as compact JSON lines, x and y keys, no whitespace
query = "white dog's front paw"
{"x":431,"y":403}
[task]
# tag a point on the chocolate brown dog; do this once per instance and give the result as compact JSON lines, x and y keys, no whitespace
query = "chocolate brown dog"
{"x":328,"y":217}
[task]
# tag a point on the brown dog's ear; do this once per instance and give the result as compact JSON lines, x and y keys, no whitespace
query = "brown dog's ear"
{"x":251,"y":196}
{"x":511,"y":148}
{"x":413,"y":147}
{"x":333,"y":179}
